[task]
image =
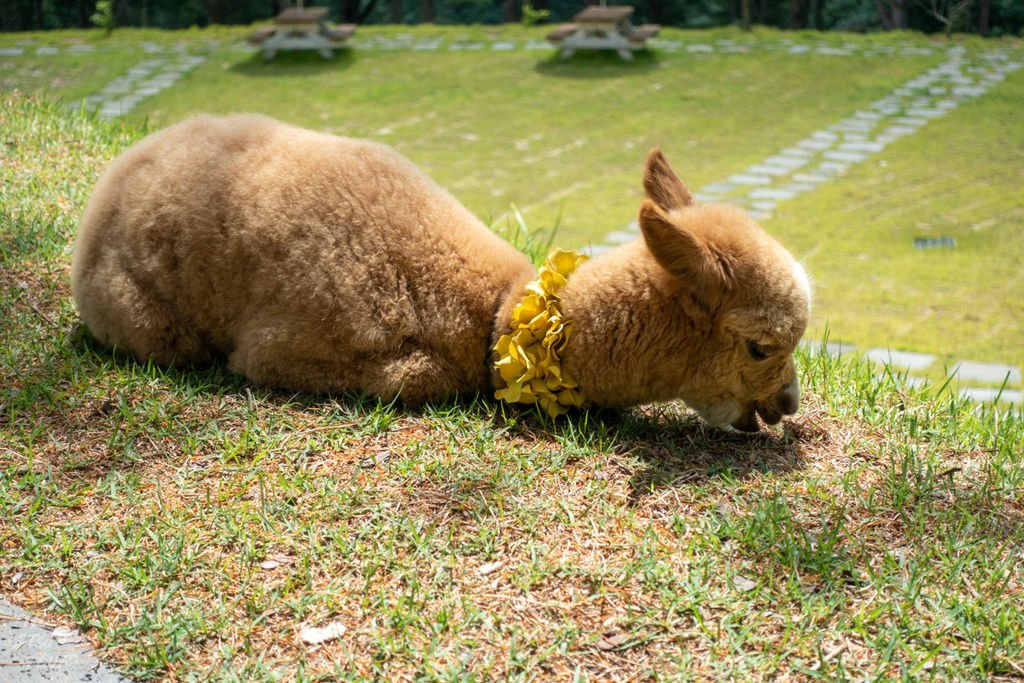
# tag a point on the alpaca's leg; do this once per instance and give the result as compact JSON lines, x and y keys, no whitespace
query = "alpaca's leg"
{"x":416,"y":376}
{"x":121,"y":312}
{"x":292,"y":358}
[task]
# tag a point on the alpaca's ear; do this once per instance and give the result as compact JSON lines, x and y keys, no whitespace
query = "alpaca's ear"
{"x":677,"y":249}
{"x":662,"y":184}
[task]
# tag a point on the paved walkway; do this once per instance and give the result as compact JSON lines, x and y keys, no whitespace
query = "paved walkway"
{"x":33,"y":652}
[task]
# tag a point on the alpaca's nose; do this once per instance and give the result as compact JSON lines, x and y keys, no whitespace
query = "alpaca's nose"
{"x":787,"y":399}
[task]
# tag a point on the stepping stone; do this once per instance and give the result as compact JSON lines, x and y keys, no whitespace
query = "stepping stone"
{"x":858,"y":146}
{"x":809,"y":179}
{"x":990,"y":395}
{"x":849,"y":157}
{"x":81,"y":48}
{"x":779,"y":194}
{"x":11,"y":51}
{"x":789,"y":163}
{"x":803,"y":154}
{"x":926,"y":112}
{"x":764,"y":169}
{"x":852,"y":124}
{"x":503,"y":46}
{"x":47,"y":50}
{"x":832,"y":168}
{"x":799,"y":49}
{"x":838,"y":348}
{"x":833,"y":51}
{"x":989,"y":373}
{"x":910,"y":121}
{"x":719,"y":188}
{"x":620,"y":236}
{"x":815,"y":145}
{"x":901,"y":359}
{"x":969,"y":90}
{"x":748,"y":179}
{"x":699,"y":47}
{"x":763,"y":206}
{"x":538,"y":45}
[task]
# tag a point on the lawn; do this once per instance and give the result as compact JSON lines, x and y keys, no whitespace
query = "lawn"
{"x":193,"y":525}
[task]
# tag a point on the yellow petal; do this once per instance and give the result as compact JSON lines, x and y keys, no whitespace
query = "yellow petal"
{"x":563,"y":262}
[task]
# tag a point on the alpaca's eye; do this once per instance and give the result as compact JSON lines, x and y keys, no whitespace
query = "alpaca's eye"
{"x":756,"y":351}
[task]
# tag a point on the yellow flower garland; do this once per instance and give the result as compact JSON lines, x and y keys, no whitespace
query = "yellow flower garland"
{"x":529,"y":357}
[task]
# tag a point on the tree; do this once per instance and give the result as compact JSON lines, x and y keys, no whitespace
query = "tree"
{"x":893,"y":13}
{"x":949,"y":13}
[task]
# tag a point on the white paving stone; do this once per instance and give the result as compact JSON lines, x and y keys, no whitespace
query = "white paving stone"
{"x":989,"y":373}
{"x":748,"y":179}
{"x":776,"y":193}
{"x":1015,"y":398}
{"x":908,"y":360}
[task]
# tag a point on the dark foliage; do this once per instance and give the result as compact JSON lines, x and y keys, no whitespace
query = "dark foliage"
{"x":987,"y":17}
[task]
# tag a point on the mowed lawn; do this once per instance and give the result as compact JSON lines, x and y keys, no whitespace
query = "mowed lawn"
{"x":193,"y":525}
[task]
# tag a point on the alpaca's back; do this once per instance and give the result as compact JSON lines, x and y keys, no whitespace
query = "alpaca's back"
{"x":313,"y":262}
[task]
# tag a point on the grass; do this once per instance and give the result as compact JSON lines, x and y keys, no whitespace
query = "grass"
{"x":192,"y":524}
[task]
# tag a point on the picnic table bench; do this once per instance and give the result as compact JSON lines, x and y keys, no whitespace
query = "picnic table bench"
{"x":603,"y":28}
{"x":299,"y":28}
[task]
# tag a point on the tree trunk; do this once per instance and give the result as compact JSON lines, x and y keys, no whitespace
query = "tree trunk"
{"x":427,"y":11}
{"x":798,"y":12}
{"x":983,"y":15}
{"x":395,"y":9}
{"x":745,"y":14}
{"x":511,"y":11}
{"x":899,"y":14}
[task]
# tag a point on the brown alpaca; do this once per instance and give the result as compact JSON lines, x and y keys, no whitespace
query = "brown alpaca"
{"x":327,"y":264}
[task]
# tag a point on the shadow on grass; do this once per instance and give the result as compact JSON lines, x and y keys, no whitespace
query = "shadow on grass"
{"x":294,"y":63}
{"x":675,"y":447}
{"x":597,"y":64}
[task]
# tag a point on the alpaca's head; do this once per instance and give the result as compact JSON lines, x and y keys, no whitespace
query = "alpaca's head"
{"x":754,"y":297}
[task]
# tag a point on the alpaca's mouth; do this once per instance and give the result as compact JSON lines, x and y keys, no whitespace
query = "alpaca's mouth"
{"x":770,"y":411}
{"x":748,"y":420}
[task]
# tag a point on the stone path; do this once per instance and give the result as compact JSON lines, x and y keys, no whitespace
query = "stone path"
{"x":145,"y":79}
{"x":34,"y":652}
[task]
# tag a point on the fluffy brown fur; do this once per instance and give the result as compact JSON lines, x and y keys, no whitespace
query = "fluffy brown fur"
{"x":328,"y":264}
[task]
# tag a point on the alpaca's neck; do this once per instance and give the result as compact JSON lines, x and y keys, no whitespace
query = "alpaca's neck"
{"x":628,"y":315}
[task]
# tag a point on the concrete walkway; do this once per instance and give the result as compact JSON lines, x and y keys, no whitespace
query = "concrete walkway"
{"x":33,"y":652}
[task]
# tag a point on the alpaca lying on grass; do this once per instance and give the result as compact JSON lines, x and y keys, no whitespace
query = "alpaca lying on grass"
{"x":327,"y":264}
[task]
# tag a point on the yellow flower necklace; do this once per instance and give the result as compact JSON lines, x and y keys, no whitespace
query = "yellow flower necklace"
{"x":529,"y":356}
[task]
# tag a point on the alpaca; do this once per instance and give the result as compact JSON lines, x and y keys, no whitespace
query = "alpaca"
{"x":324,"y":264}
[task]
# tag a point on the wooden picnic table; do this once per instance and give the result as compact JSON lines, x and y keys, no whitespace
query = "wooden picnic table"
{"x":301,"y":28}
{"x":603,"y":28}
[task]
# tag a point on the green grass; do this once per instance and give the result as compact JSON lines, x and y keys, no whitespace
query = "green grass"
{"x":192,"y":524}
